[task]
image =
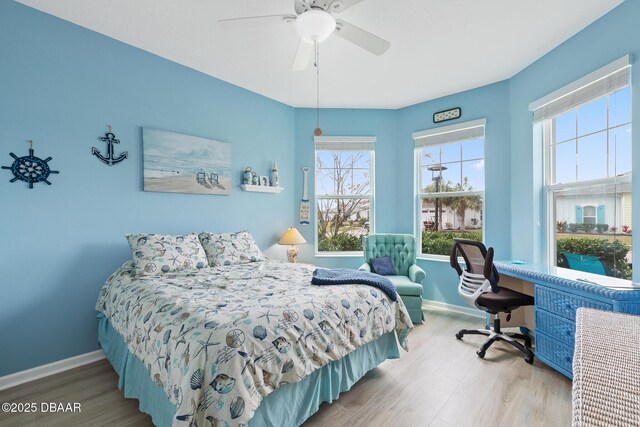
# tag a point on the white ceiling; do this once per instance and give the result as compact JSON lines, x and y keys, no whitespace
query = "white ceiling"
{"x":438,"y":47}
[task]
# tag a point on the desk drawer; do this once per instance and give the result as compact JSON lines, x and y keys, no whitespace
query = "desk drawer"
{"x":554,"y":351}
{"x":565,"y":304}
{"x":562,"y":329}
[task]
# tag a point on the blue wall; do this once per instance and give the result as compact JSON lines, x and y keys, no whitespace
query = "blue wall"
{"x":379,"y":123}
{"x":490,"y":102}
{"x":609,"y":38}
{"x":394,"y":171}
{"x":61,"y":85}
{"x":513,"y":164}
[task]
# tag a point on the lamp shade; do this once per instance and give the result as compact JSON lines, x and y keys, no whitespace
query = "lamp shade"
{"x":292,"y":237}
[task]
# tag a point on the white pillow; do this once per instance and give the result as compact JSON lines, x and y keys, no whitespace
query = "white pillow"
{"x":156,"y":254}
{"x":230,"y":248}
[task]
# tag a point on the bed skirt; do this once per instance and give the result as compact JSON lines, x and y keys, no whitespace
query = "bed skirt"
{"x":290,"y":405}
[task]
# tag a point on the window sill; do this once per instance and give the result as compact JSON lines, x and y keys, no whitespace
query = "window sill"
{"x":438,"y":258}
{"x":338,"y":255}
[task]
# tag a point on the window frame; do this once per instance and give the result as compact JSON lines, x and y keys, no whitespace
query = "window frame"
{"x":440,"y":133}
{"x":551,"y":123}
{"x":585,"y":216}
{"x":550,"y":188}
{"x":318,"y":197}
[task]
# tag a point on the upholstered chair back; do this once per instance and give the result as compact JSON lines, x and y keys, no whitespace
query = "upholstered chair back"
{"x":400,"y":247}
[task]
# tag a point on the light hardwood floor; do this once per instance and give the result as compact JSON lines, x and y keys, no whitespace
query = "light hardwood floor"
{"x":440,"y":382}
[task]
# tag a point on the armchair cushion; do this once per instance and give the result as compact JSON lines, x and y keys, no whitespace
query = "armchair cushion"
{"x":406,"y":286}
{"x":383,"y":266}
{"x":365,"y":267}
{"x":416,"y":274}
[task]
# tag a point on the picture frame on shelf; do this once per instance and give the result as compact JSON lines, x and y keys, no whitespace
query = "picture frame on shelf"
{"x":264,"y":181}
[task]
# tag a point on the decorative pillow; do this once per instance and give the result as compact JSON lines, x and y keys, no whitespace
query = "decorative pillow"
{"x":230,"y":248}
{"x":155,"y":254}
{"x":383,"y":266}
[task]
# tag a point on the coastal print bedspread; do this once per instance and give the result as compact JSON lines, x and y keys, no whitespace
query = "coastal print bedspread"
{"x":218,"y":340}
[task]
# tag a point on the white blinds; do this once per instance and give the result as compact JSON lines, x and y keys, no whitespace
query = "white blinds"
{"x":345,"y":143}
{"x":449,"y":134}
{"x":607,"y":79}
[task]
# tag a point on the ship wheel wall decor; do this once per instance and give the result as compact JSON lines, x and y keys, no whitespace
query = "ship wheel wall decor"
{"x":30,"y":169}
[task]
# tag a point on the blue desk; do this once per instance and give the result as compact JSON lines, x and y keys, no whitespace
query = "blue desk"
{"x":558,"y":293}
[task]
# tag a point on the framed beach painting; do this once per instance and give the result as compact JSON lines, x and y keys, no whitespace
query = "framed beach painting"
{"x":177,"y":163}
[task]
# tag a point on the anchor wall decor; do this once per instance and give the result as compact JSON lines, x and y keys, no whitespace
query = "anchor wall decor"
{"x":30,"y":169}
{"x":110,"y":139}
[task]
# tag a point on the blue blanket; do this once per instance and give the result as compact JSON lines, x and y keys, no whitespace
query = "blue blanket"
{"x":344,"y":276}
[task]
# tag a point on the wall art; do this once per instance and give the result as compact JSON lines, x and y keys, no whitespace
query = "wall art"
{"x":177,"y":163}
{"x":109,"y":158}
{"x":30,"y":169}
{"x":446,"y":115}
{"x":305,"y":209}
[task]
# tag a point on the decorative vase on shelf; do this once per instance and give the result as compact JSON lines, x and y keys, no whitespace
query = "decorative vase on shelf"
{"x":254,"y":179}
{"x":247,"y":176}
{"x":275,"y":180}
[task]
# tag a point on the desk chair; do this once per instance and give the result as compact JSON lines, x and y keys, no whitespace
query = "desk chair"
{"x":401,"y":248}
{"x":478,"y":287}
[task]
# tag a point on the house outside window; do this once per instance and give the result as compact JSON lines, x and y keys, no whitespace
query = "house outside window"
{"x":344,"y":192}
{"x":449,"y":186}
{"x":587,"y":140}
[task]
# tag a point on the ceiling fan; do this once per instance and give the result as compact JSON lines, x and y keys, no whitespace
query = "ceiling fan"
{"x":315,"y":22}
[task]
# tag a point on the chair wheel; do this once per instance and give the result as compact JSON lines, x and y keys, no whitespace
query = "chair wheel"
{"x":459,"y":335}
{"x":480,"y":354}
{"x":529,"y":359}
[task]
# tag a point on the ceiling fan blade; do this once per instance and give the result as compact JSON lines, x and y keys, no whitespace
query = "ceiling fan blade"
{"x":338,"y":6}
{"x":362,"y":38}
{"x":255,"y":21}
{"x":303,"y":56}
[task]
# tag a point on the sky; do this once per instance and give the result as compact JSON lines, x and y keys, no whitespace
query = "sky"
{"x":184,"y":153}
{"x":581,"y":136}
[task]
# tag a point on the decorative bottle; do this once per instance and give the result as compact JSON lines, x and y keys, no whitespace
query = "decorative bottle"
{"x":275,"y":180}
{"x":247,"y":175}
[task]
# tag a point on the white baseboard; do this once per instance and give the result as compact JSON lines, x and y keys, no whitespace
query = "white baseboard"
{"x":49,"y":369}
{"x":437,"y":305}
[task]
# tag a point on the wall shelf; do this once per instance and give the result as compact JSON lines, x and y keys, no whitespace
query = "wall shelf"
{"x":261,"y":188}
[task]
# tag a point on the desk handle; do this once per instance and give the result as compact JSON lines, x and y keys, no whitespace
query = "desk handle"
{"x":566,"y":304}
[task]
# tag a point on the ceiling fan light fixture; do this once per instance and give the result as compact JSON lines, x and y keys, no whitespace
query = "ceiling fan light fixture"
{"x":315,"y":25}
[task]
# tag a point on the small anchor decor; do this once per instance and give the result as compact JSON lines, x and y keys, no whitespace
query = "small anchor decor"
{"x":110,"y":139}
{"x":30,"y":169}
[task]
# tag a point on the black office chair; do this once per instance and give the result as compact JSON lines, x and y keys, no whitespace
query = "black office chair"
{"x":478,"y":287}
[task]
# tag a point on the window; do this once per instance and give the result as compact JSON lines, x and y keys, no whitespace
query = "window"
{"x":588,"y":214}
{"x":450,"y":185}
{"x":344,"y":189}
{"x":587,"y":137}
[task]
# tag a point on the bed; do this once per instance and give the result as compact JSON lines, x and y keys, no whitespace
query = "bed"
{"x":249,"y":344}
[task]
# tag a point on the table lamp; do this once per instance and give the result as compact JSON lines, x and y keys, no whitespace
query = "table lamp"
{"x":292,"y":237}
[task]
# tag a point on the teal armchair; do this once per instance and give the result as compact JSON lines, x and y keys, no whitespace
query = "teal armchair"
{"x":408,"y":281}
